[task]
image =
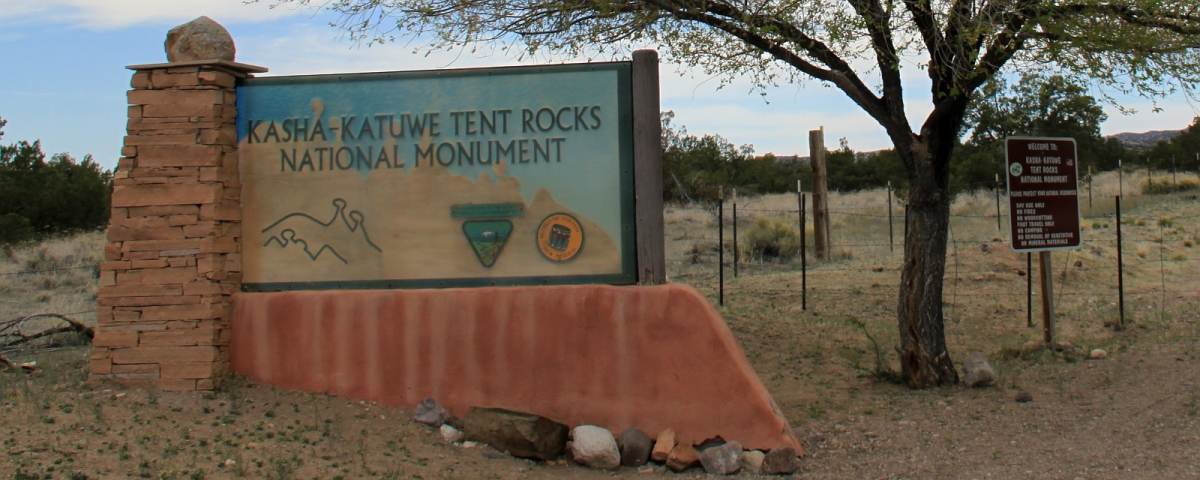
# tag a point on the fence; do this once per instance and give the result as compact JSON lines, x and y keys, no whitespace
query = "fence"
{"x":980,"y":265}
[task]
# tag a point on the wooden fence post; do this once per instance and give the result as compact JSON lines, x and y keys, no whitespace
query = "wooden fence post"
{"x":816,"y":148}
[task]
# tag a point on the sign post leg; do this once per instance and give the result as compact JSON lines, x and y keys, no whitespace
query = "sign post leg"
{"x":1047,"y":297}
{"x":1029,"y":288}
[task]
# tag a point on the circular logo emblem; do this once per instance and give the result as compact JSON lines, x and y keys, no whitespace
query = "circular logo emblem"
{"x":560,"y":237}
{"x":1015,"y":169}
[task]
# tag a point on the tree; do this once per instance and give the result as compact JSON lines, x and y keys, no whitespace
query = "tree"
{"x":699,"y":168}
{"x":1145,"y":46}
{"x":1181,"y":151}
{"x":1039,"y":105}
{"x":44,"y":197}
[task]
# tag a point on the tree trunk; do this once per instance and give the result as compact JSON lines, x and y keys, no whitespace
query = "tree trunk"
{"x":924,"y":359}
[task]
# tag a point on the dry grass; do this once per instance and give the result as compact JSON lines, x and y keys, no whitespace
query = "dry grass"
{"x":827,"y":367}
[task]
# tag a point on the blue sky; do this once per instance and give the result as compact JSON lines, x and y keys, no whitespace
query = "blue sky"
{"x":63,"y":78}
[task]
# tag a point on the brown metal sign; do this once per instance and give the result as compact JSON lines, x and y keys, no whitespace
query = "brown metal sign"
{"x":1043,"y":196}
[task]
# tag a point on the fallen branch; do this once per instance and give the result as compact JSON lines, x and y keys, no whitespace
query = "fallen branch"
{"x":8,"y":364}
{"x":11,"y":333}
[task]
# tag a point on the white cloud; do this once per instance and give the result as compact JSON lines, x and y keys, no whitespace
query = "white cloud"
{"x":113,"y":14}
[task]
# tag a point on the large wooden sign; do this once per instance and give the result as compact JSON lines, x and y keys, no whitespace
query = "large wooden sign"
{"x":504,"y":176}
{"x":1043,"y":196}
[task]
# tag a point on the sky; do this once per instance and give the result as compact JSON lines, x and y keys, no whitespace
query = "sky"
{"x":63,"y":78}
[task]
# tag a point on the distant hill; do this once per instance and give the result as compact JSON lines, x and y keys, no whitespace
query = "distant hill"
{"x":1141,"y":142}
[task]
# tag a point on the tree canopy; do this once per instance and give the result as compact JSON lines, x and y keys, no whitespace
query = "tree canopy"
{"x":45,"y":197}
{"x":860,"y":47}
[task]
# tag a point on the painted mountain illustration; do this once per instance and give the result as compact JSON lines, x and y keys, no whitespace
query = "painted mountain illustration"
{"x":342,"y":236}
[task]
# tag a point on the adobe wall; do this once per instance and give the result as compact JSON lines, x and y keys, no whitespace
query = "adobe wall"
{"x":172,"y":260}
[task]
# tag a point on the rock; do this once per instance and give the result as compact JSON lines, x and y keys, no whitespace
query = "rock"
{"x":1064,"y":347}
{"x":1032,"y":347}
{"x":979,"y":373}
{"x":523,"y":435}
{"x":1098,"y":354}
{"x":723,"y":460}
{"x":451,"y":434}
{"x":199,"y":39}
{"x":1024,"y":397}
{"x":635,"y":447}
{"x":752,"y":461}
{"x":780,"y":461}
{"x":683,"y":457}
{"x":662,"y":447}
{"x":595,"y":447}
{"x":469,"y":444}
{"x":430,"y":413}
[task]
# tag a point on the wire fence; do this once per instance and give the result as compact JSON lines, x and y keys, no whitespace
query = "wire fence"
{"x":867,"y":252}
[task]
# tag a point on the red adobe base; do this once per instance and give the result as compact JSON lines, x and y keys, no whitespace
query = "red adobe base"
{"x":652,"y":357}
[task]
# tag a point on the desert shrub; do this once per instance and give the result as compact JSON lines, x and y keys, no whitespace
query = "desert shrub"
{"x":1164,"y":185}
{"x":40,"y":197}
{"x":771,"y":238}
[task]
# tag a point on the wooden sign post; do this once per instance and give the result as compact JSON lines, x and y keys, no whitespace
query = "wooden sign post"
{"x":1043,"y":201}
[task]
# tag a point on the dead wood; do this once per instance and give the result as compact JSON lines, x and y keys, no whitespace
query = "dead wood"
{"x":12,"y":332}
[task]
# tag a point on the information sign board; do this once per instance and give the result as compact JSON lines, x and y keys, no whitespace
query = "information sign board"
{"x":1043,"y":196}
{"x":473,"y":177}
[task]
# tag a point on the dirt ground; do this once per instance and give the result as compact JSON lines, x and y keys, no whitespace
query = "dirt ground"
{"x":830,"y":368}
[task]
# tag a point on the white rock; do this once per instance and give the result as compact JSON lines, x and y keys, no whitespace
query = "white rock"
{"x":468,"y":444}
{"x":752,"y":461}
{"x":595,"y":447}
{"x":1098,"y":354}
{"x":979,"y":373}
{"x":451,"y":434}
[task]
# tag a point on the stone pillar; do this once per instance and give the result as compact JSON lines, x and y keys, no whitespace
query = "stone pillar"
{"x":173,"y":255}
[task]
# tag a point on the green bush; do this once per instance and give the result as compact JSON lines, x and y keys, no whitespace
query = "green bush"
{"x":771,"y":238}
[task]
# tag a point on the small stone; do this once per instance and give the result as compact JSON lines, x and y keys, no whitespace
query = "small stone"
{"x":635,"y":447}
{"x":1064,"y":347}
{"x":646,"y":469}
{"x":1098,"y":354}
{"x":682,"y":458}
{"x":752,"y":461}
{"x":595,"y":447}
{"x":722,"y":460}
{"x":199,"y":39}
{"x":430,"y":413}
{"x":469,"y":444}
{"x":979,"y":373}
{"x":662,"y":447}
{"x":492,"y":454}
{"x":451,"y":434}
{"x":1024,"y":397}
{"x":1032,"y":347}
{"x":229,"y":463}
{"x":780,"y":461}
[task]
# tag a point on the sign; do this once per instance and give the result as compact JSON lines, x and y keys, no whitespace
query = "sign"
{"x":1043,"y":199}
{"x":501,"y":176}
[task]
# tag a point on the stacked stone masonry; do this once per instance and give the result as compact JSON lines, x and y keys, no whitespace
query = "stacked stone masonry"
{"x":172,"y":257}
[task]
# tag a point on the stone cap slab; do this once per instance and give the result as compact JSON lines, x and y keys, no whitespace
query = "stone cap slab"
{"x":226,"y":64}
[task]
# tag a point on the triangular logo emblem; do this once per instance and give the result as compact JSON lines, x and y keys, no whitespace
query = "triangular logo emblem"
{"x":487,"y":238}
